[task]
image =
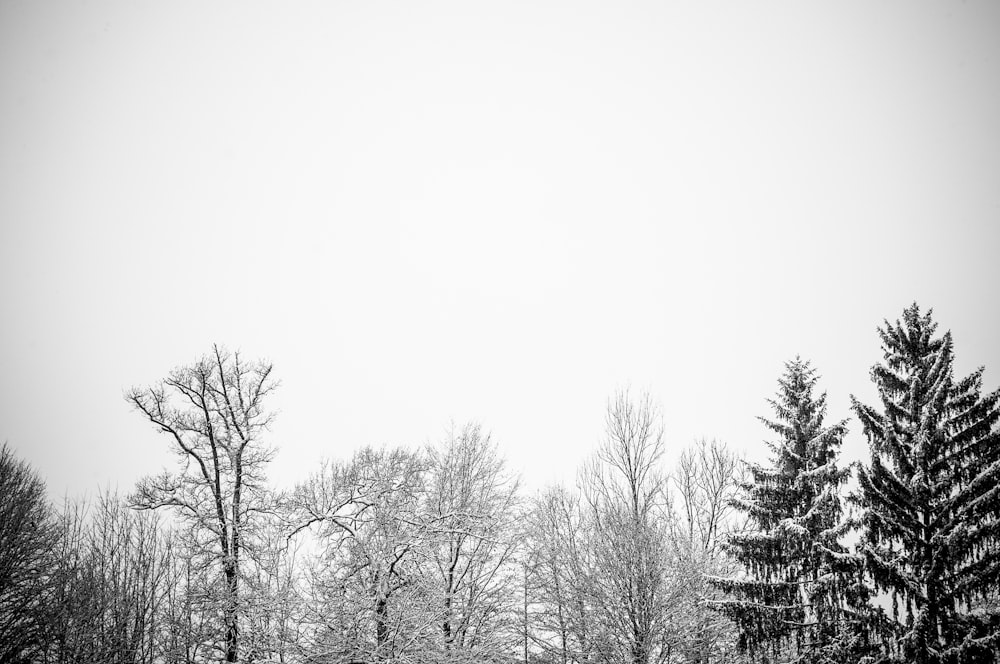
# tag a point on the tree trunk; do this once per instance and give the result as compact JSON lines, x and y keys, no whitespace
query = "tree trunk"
{"x":381,"y":628}
{"x":232,"y":628}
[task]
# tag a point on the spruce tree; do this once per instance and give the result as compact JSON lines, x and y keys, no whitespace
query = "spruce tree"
{"x":797,"y":598}
{"x":931,"y":496}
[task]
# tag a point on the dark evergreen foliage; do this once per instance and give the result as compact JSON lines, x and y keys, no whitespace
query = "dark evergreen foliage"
{"x":931,"y":496}
{"x":799,"y":599}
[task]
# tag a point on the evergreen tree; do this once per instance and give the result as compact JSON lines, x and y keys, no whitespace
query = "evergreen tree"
{"x":797,"y":600}
{"x":931,"y":496}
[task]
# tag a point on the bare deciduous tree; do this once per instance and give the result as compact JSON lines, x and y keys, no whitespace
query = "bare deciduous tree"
{"x":274,"y":610}
{"x":472,"y":517}
{"x":371,"y":536}
{"x":213,"y":413}
{"x":559,"y":577}
{"x":26,"y":538}
{"x":629,"y":511}
{"x":706,"y":480}
{"x":110,"y":579}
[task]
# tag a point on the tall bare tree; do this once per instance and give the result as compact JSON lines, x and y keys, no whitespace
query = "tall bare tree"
{"x":629,"y":509}
{"x":366,"y":591}
{"x":472,"y":519}
{"x":559,"y":577}
{"x":214,"y":415}
{"x":706,"y":480}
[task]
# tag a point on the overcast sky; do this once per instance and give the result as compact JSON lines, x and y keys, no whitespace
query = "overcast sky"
{"x":502,"y":211}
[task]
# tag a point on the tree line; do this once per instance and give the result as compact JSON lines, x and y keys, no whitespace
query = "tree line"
{"x":437,"y":554}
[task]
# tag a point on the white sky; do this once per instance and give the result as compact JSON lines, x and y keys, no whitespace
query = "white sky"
{"x":502,"y":211}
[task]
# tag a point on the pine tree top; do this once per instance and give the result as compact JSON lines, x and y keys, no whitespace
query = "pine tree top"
{"x":799,"y":583}
{"x":804,"y":443}
{"x":931,"y":494}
